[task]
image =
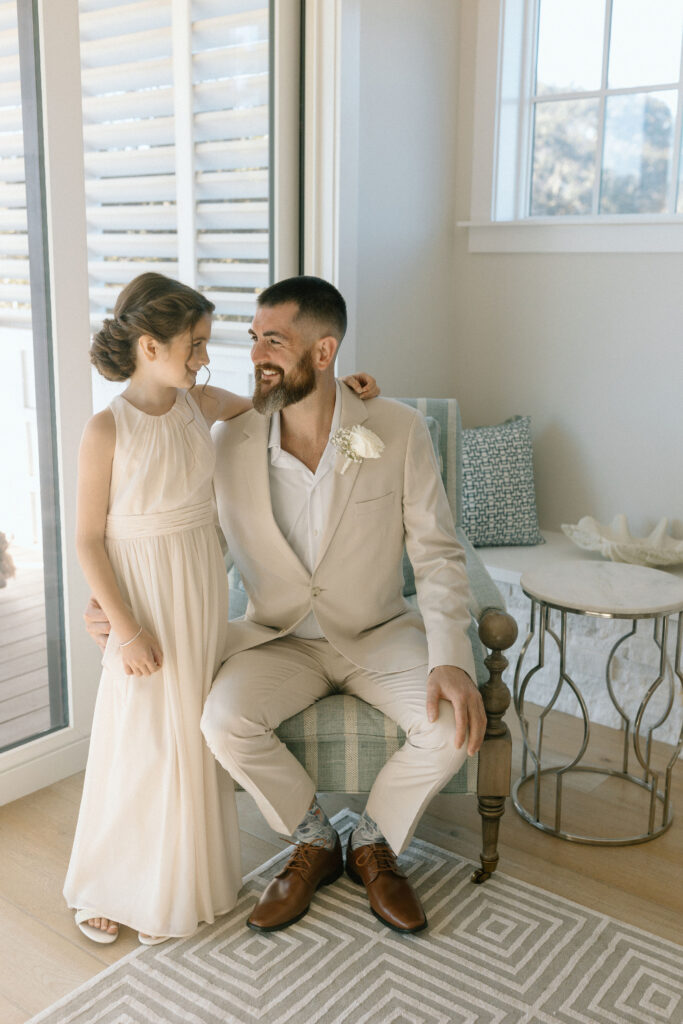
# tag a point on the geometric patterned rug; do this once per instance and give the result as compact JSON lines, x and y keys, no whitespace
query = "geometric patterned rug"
{"x":500,"y":953}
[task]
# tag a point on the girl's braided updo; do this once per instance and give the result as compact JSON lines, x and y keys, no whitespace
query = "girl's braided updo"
{"x":151,"y":304}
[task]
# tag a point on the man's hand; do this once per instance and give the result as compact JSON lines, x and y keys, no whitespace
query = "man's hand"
{"x":446,"y":682}
{"x":97,"y":623}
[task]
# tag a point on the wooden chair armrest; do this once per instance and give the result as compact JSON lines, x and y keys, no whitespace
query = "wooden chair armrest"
{"x":497,"y":632}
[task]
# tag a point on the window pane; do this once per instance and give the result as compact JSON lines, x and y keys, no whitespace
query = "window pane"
{"x":645,"y":44}
{"x":24,"y":677}
{"x":638,"y":152}
{"x":570,"y":37}
{"x":231,"y":159}
{"x":138,"y":203}
{"x":31,"y":682}
{"x":565,"y":144}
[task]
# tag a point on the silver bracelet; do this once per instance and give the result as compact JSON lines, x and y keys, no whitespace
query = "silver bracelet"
{"x":132,"y":639}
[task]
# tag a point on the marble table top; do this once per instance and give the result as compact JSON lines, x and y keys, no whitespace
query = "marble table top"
{"x":605,"y":588}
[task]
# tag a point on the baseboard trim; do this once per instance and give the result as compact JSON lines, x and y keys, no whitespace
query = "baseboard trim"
{"x":41,"y":771}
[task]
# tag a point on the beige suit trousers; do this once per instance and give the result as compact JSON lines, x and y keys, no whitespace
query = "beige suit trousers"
{"x":259,"y":688}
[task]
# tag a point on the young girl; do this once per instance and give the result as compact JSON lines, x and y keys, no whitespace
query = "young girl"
{"x":157,"y":840}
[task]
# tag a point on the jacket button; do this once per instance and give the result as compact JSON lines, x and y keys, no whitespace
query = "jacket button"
{"x":316,"y":592}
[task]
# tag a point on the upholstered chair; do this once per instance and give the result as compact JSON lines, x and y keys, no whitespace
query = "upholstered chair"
{"x":343,"y":742}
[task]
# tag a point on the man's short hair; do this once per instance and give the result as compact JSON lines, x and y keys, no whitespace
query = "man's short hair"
{"x":317,"y":300}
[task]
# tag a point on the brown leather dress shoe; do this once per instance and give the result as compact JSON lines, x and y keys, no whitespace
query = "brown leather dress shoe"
{"x":288,"y":896}
{"x":391,"y":895}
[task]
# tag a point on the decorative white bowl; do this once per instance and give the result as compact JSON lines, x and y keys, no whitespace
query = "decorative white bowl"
{"x":617,"y":542}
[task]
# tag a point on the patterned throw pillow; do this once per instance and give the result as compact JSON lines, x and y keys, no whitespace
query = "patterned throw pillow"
{"x":498,"y":496}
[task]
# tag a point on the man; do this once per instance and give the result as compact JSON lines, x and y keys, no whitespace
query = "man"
{"x":316,"y":520}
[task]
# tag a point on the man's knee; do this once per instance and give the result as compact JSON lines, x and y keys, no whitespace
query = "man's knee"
{"x":214,"y":720}
{"x":228,"y":710}
{"x":438,"y":738}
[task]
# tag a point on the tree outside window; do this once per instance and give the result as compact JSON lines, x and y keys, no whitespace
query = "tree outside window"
{"x":605,"y":117}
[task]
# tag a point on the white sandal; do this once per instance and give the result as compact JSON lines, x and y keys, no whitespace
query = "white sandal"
{"x":152,"y":940}
{"x":82,"y":917}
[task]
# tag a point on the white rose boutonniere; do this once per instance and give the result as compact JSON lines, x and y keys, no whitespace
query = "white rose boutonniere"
{"x":356,"y":443}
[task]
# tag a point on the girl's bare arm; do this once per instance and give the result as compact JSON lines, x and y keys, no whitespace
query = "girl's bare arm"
{"x":218,"y":404}
{"x":94,"y":478}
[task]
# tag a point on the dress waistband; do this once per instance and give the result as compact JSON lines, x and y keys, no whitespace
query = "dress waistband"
{"x":154,"y":524}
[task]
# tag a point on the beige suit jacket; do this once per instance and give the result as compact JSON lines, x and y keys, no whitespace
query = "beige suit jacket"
{"x":356,"y":587}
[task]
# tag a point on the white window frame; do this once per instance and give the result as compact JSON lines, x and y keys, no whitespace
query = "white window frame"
{"x":285,"y":145}
{"x":503,"y":86}
{"x":330,"y":153}
{"x":58,"y":754}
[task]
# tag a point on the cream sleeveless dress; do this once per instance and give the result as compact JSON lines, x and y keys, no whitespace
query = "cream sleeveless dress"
{"x":157,"y":841}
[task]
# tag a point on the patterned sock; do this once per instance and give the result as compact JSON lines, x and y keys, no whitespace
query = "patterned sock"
{"x":366,"y":832}
{"x":315,"y":828}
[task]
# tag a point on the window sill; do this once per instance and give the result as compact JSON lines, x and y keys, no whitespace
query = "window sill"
{"x":577,"y":234}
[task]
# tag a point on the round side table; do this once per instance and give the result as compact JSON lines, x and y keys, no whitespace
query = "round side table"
{"x":612,"y":591}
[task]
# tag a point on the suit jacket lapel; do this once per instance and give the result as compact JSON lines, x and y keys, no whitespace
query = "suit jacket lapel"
{"x":353,"y":411}
{"x":255,"y":455}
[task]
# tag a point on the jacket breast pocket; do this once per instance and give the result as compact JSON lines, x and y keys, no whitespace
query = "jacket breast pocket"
{"x":381,"y":504}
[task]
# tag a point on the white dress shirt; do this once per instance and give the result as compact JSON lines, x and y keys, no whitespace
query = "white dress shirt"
{"x":301,"y":502}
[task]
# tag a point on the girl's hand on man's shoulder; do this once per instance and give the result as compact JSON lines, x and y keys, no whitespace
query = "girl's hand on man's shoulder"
{"x":363,"y":384}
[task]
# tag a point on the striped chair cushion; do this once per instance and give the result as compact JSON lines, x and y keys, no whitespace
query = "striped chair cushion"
{"x":447,"y":414}
{"x":342,"y":742}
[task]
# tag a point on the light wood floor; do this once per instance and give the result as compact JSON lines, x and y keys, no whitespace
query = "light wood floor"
{"x":24,"y":692}
{"x":43,"y":956}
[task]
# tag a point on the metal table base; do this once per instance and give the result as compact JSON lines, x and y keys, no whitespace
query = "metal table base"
{"x":656,"y":783}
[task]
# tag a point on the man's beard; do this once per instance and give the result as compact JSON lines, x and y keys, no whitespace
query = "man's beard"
{"x":293,"y":387}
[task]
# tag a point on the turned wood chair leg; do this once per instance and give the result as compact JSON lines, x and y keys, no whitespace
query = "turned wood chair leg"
{"x":492,"y":809}
{"x":497,"y":631}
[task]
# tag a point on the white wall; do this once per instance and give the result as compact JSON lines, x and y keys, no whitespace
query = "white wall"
{"x":403,"y":265}
{"x":589,"y":346}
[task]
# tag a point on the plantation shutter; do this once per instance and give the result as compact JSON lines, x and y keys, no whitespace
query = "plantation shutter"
{"x":15,"y":291}
{"x":175,"y":125}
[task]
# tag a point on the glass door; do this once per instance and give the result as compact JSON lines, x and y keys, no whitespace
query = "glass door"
{"x":32,"y":662}
{"x":220,"y":91}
